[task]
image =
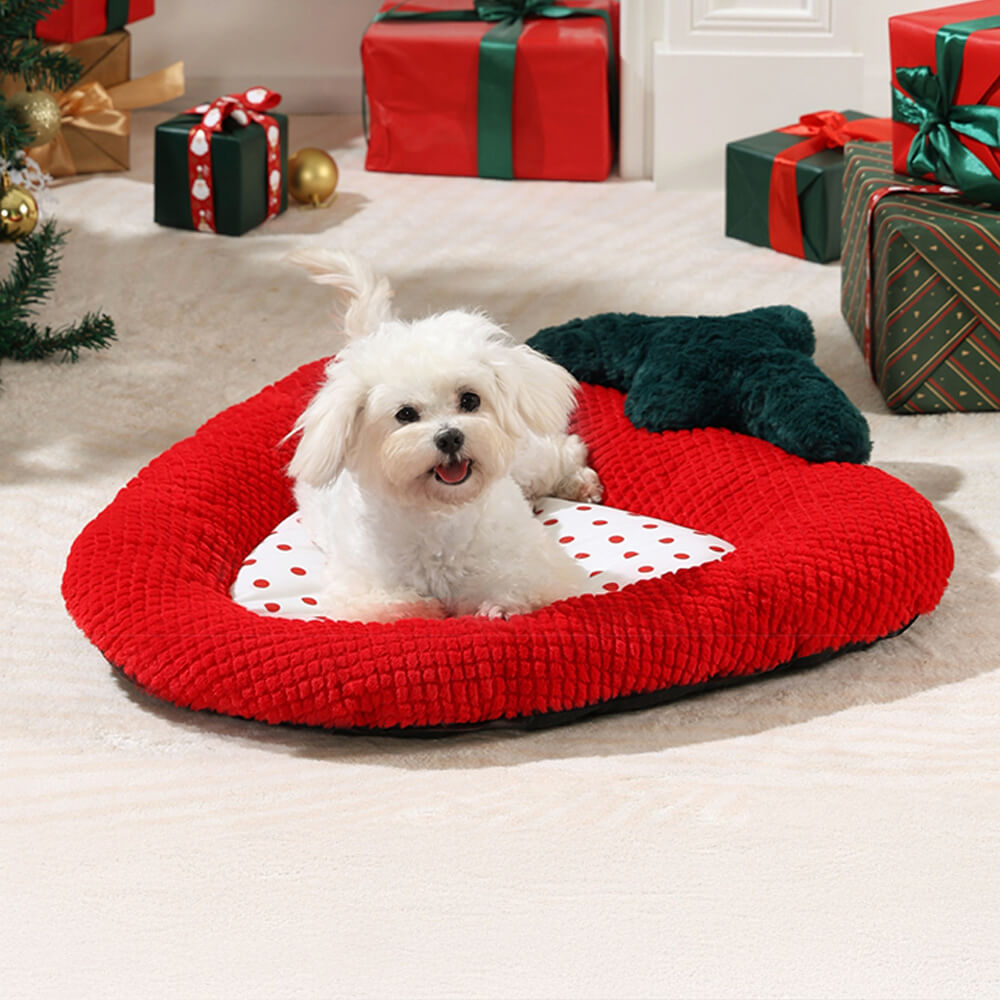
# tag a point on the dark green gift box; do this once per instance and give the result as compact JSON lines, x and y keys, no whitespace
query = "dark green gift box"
{"x":920,"y":287}
{"x":239,"y":173}
{"x":818,"y":181}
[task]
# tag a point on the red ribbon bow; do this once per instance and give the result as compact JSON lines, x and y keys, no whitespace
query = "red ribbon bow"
{"x":822,"y":130}
{"x":243,"y":109}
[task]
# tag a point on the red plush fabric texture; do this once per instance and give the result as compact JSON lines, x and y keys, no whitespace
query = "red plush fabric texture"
{"x":827,"y":556}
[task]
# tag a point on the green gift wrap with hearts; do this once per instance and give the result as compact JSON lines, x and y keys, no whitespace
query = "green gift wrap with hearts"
{"x":921,"y":286}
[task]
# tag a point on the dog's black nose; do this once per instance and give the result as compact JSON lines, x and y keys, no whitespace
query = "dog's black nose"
{"x":450,"y":440}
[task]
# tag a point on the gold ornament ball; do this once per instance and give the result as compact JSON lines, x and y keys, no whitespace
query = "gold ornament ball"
{"x":312,"y":176}
{"x":18,"y":212}
{"x":37,"y":112}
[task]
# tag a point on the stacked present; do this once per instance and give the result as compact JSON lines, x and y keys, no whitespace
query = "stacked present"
{"x":76,"y":20}
{"x":94,"y":129}
{"x":921,"y":266}
{"x":495,"y":88}
{"x":921,"y":287}
{"x":920,"y":223}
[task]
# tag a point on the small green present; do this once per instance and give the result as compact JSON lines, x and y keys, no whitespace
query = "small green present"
{"x":783,"y":188}
{"x":222,"y":167}
{"x":921,"y":287}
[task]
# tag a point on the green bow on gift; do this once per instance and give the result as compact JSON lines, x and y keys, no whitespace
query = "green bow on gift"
{"x":936,"y":148}
{"x":497,"y":58}
{"x":118,"y":14}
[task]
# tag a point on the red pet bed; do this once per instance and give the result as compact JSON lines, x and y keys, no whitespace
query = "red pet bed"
{"x":828,"y":557}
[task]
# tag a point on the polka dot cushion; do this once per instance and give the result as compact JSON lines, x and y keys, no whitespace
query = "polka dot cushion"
{"x":283,"y":574}
{"x":825,"y":557}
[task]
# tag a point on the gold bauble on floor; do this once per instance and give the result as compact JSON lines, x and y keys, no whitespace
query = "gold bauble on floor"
{"x":18,"y":211}
{"x":312,"y":176}
{"x":37,"y":111}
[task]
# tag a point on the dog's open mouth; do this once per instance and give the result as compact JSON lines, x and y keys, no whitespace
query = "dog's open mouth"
{"x":454,"y":473}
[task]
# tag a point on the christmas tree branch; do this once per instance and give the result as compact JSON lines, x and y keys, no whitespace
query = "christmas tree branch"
{"x":31,"y":277}
{"x":36,"y":261}
{"x":30,"y":281}
{"x":22,"y":55}
{"x":39,"y":65}
{"x":26,"y":342}
{"x":13,"y":135}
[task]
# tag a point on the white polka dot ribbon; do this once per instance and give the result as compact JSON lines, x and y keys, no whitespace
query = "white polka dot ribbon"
{"x":243,"y":109}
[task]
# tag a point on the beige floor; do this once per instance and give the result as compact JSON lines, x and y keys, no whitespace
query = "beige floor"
{"x":827,"y":834}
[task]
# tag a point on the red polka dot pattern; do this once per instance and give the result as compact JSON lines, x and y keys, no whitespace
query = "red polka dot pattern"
{"x":285,"y":573}
{"x":826,"y":556}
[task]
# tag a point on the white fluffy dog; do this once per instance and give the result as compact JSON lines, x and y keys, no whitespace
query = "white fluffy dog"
{"x":419,"y":456}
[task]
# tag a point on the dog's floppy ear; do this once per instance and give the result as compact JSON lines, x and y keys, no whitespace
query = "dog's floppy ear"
{"x":329,"y":427}
{"x":535,"y":392}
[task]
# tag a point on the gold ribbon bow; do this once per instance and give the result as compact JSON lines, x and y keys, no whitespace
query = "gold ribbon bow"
{"x":104,"y":111}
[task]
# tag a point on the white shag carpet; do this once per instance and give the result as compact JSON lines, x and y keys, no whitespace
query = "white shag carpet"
{"x":832,"y":833}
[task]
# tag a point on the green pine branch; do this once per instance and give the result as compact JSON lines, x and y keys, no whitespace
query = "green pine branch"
{"x":27,"y":342}
{"x":37,"y":257}
{"x":22,"y":55}
{"x":41,"y":67}
{"x":30,"y":282}
{"x":13,"y":135}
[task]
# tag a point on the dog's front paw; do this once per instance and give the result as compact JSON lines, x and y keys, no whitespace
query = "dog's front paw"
{"x":503,"y":611}
{"x":396,"y":611}
{"x":387,"y":610}
{"x":583,"y":485}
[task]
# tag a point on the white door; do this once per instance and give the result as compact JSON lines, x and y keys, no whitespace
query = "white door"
{"x":698,"y":73}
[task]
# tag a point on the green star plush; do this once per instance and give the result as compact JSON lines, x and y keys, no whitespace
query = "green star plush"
{"x":751,"y":372}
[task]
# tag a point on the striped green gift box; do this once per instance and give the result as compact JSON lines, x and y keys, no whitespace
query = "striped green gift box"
{"x":920,"y":287}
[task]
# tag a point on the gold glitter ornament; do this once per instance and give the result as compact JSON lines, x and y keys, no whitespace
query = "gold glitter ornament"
{"x":18,"y":211}
{"x":312,"y":176}
{"x":37,"y":112}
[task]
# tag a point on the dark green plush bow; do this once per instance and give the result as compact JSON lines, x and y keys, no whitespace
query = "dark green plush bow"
{"x":928,"y":106}
{"x":497,"y":57}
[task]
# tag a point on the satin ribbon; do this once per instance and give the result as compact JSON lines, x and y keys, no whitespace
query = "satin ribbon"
{"x":94,"y":108}
{"x":928,"y":105}
{"x":250,"y":106}
{"x":820,"y":130}
{"x":497,"y":60}
{"x":118,"y":15}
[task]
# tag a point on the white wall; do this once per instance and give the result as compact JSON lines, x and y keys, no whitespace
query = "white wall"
{"x":871,"y":36}
{"x":707,"y":71}
{"x":308,"y":50}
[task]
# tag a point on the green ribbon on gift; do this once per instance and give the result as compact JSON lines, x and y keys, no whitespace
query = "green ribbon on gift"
{"x":497,"y":58}
{"x":928,"y":106}
{"x":118,"y":11}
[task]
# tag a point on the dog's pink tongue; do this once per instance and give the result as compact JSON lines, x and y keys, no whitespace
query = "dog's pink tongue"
{"x":453,"y":473}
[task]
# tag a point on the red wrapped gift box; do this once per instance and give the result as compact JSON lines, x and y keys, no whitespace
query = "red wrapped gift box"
{"x":422,"y":84}
{"x":79,"y":19}
{"x":946,"y":96}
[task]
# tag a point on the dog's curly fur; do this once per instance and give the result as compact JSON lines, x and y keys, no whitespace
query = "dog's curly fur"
{"x":420,"y":454}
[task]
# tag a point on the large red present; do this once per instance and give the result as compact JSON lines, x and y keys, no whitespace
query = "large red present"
{"x":76,"y":20}
{"x":439,"y":103}
{"x":946,"y":96}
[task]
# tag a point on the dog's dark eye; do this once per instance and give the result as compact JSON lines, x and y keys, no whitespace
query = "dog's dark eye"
{"x":407,"y":415}
{"x":468,"y":401}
